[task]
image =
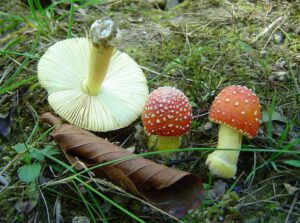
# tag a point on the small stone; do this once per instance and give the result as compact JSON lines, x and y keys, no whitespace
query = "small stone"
{"x":263,"y":53}
{"x":171,"y":4}
{"x":221,"y":218}
{"x":156,"y":3}
{"x":279,"y":76}
{"x":207,"y":126}
{"x":3,"y":181}
{"x":135,"y":20}
{"x":131,"y":149}
{"x":278,"y":37}
{"x":280,"y":64}
{"x":80,"y":219}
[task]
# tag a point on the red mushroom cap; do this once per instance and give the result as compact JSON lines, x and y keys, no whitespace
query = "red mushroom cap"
{"x":167,"y":112}
{"x":238,"y":107}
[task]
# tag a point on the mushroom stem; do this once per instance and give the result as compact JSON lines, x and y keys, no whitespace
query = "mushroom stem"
{"x":222,"y":163}
{"x":104,"y":37}
{"x":98,"y":65}
{"x":164,"y":142}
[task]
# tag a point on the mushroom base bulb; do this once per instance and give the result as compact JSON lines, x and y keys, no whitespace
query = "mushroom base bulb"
{"x":219,"y":167}
{"x":222,"y":163}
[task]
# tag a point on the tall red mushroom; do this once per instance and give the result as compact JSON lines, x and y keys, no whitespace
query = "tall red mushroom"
{"x":167,"y":115}
{"x":237,"y":110}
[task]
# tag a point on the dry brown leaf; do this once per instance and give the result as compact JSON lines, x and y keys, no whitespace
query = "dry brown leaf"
{"x":169,"y":189}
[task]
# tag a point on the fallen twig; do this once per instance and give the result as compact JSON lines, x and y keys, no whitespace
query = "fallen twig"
{"x":267,"y":29}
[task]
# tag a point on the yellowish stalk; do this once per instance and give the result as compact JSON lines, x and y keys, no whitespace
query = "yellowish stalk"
{"x":98,"y":66}
{"x":222,"y":163}
{"x":104,"y":37}
{"x":160,"y":143}
{"x":168,"y":143}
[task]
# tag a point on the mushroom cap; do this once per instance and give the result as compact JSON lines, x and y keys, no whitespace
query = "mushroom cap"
{"x":167,"y":112}
{"x":237,"y":107}
{"x":64,"y":67}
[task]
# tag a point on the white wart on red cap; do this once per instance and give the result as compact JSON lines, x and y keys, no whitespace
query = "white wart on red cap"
{"x":167,"y":112}
{"x":238,"y":107}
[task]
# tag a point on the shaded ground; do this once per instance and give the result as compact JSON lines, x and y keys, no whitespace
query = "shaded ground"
{"x":199,"y":47}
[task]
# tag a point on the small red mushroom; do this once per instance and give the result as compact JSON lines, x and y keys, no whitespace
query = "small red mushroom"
{"x":167,"y":115}
{"x":237,"y":110}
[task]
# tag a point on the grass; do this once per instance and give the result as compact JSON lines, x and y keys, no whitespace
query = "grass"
{"x":199,"y":47}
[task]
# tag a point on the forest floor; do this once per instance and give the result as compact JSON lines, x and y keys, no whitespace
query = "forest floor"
{"x":199,"y":47}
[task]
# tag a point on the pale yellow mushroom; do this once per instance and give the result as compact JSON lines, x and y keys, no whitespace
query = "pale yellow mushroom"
{"x":90,"y":83}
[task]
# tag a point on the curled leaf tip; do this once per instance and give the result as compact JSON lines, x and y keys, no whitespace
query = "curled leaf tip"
{"x":50,"y":119}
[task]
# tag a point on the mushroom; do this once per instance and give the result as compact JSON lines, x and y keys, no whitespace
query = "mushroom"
{"x":90,"y":83}
{"x":167,"y":115}
{"x":237,"y":110}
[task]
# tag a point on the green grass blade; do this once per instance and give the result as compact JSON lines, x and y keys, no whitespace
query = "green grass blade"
{"x":185,"y":150}
{"x":40,"y":8}
{"x":64,"y":195}
{"x":16,"y":85}
{"x":111,"y":201}
{"x":270,"y":124}
{"x":91,"y":188}
{"x":5,"y":87}
{"x":41,"y":23}
{"x":70,"y":23}
{"x":103,"y":217}
{"x":85,"y":202}
{"x":6,"y":52}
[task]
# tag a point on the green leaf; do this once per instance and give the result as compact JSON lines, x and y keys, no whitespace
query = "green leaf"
{"x":20,"y":147}
{"x":26,"y":158}
{"x":50,"y":150}
{"x":206,"y":186}
{"x":193,"y":104}
{"x":39,"y":154}
{"x":32,"y":191}
{"x":275,"y":117}
{"x":245,"y":47}
{"x":294,"y":163}
{"x":30,"y":172}
{"x":36,"y":154}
